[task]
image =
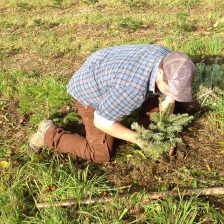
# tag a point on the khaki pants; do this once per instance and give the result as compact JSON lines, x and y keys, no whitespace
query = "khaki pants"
{"x":97,"y":146}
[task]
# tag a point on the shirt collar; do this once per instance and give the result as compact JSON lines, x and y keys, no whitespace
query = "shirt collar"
{"x":152,"y":81}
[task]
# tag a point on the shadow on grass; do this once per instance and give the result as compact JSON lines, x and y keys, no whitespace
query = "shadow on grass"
{"x":208,"y":59}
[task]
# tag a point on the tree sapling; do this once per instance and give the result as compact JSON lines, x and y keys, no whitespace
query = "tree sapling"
{"x":163,"y":132}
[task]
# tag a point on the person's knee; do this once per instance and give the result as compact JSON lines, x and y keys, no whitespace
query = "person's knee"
{"x":101,"y":158}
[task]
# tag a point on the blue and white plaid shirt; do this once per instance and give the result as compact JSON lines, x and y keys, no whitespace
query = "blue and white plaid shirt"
{"x":115,"y":80}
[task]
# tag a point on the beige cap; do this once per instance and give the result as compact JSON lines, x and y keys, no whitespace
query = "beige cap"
{"x":179,"y":71}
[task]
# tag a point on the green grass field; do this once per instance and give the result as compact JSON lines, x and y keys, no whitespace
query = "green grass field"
{"x":42,"y":43}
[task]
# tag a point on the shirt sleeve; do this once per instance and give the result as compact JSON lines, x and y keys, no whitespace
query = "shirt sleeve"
{"x":118,"y":103}
{"x":103,"y":120}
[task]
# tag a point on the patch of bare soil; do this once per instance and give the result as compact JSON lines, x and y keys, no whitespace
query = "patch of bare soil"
{"x":12,"y":124}
{"x":197,"y":163}
{"x":56,"y":64}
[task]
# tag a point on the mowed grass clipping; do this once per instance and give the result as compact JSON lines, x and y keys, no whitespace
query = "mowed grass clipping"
{"x":42,"y":43}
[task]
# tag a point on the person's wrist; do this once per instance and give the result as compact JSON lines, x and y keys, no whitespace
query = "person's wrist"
{"x":134,"y":137}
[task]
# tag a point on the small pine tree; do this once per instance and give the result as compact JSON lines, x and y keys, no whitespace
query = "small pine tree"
{"x":208,"y":84}
{"x":162,"y":133}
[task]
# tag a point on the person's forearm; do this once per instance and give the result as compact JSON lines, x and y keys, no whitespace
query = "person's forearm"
{"x":117,"y":130}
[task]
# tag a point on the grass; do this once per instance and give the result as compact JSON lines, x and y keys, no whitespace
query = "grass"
{"x":42,"y":43}
{"x":38,"y":180}
{"x":182,"y":211}
{"x":38,"y":96}
{"x":43,"y":36}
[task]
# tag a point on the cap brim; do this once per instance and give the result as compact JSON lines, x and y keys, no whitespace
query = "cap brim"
{"x":185,"y":97}
{"x":181,"y":93}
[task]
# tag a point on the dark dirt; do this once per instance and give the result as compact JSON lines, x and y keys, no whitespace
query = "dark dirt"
{"x":13,"y":138}
{"x":197,"y":163}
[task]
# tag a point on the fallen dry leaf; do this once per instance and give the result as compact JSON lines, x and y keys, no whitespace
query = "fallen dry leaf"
{"x":192,"y":129}
{"x":5,"y":164}
{"x":50,"y":188}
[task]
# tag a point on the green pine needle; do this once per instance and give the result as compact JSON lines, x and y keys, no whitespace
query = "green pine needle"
{"x":163,"y":132}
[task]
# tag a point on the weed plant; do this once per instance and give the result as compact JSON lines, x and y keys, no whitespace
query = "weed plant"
{"x":137,"y":3}
{"x":38,"y":97}
{"x":24,"y":5}
{"x":38,"y":181}
{"x":181,"y":211}
{"x":128,"y":23}
{"x":58,"y":3}
{"x":182,"y":23}
{"x":90,"y":2}
{"x":41,"y":181}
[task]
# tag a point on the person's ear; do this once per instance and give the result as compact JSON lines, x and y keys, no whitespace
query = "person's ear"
{"x":161,"y":84}
{"x":159,"y":75}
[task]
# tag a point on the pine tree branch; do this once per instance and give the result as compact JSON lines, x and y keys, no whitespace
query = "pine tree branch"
{"x":162,"y":133}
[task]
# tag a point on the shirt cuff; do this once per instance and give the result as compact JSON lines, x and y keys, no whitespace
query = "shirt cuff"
{"x":103,"y":120}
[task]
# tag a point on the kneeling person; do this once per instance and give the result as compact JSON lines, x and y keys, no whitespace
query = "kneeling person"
{"x":112,"y":83}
